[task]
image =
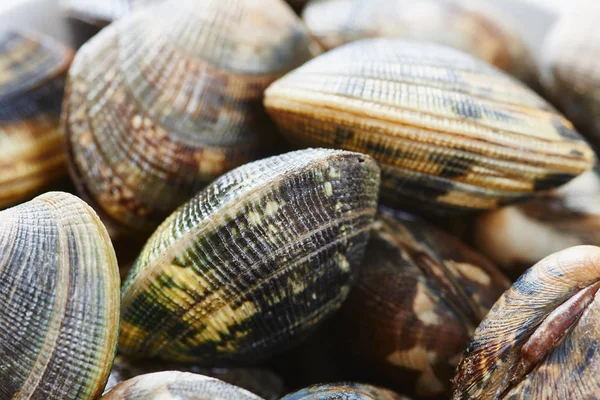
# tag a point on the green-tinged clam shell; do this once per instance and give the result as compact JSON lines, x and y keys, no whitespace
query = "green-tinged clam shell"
{"x":177,"y":386}
{"x":519,"y":236}
{"x":254,"y":262}
{"x":419,"y":296}
{"x":450,"y":132}
{"x":540,"y":340}
{"x":346,"y":391}
{"x":472,"y":26}
{"x":32,"y":70}
{"x":102,"y":12}
{"x":158,"y":107}
{"x":59,"y":290}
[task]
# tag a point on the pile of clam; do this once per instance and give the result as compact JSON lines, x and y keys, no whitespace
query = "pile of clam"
{"x":372,"y":199}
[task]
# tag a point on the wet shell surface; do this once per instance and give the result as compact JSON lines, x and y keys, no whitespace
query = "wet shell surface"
{"x":59,"y":290}
{"x":177,"y":386}
{"x":158,"y":107}
{"x":450,"y":132}
{"x":32,"y":72}
{"x":419,"y":296}
{"x":474,"y":27}
{"x":570,"y":68}
{"x":519,"y":236}
{"x":254,"y":262}
{"x":540,"y":340}
{"x":102,"y":12}
{"x":346,"y":391}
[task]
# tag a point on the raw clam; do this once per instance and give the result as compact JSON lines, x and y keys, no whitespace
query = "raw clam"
{"x":346,"y":391}
{"x":540,"y":340}
{"x":59,"y":290}
{"x":177,"y":385}
{"x":472,"y":26}
{"x":450,"y":132}
{"x":419,"y":296}
{"x":32,"y":72}
{"x":254,"y":262}
{"x":170,"y":97}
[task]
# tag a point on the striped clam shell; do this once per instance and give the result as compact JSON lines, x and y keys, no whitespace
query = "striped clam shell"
{"x":346,"y":391}
{"x":449,"y":132}
{"x":59,"y":290}
{"x":32,"y":70}
{"x":170,"y":97}
{"x":540,"y":340}
{"x":177,"y":386}
{"x":472,"y":26}
{"x":254,"y":262}
{"x":102,"y":12}
{"x":418,"y":298}
{"x":517,"y":237}
{"x":570,"y":66}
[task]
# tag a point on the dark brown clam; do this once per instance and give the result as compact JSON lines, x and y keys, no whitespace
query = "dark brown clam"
{"x":540,"y":340}
{"x":346,"y":391}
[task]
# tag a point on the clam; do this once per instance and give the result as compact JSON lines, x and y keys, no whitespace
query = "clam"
{"x":32,"y":71}
{"x":517,"y":237}
{"x":102,"y":12}
{"x":59,"y":290}
{"x":254,"y":262}
{"x":177,"y":386}
{"x":419,"y":296}
{"x":540,"y":340}
{"x":451,"y":133}
{"x":346,"y":391}
{"x":158,"y":107}
{"x":474,"y":27}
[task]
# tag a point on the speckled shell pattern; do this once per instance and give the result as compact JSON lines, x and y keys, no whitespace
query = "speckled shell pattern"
{"x":450,"y":132}
{"x":540,"y":340}
{"x":472,"y":26}
{"x":570,"y":72}
{"x":59,"y":290}
{"x":102,"y":12}
{"x":418,"y":299}
{"x":346,"y":391}
{"x":158,"y":107}
{"x":32,"y":73}
{"x":517,"y":237}
{"x":177,"y":386}
{"x":254,"y":262}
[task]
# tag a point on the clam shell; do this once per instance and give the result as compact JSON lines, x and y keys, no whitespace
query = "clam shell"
{"x":472,"y":26}
{"x":418,"y":298}
{"x":346,"y":391}
{"x":32,"y":70}
{"x":252,"y":263}
{"x":158,"y":107}
{"x":59,"y":290}
{"x":450,"y":132}
{"x":177,"y":386}
{"x":102,"y":12}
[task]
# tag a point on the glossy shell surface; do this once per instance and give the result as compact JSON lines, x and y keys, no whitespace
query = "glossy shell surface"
{"x":450,"y":132}
{"x":540,"y":340}
{"x":158,"y":107}
{"x":472,"y":26}
{"x":254,"y":262}
{"x":346,"y":391}
{"x":419,"y":296}
{"x":177,"y":385}
{"x":59,"y":290}
{"x":32,"y":72}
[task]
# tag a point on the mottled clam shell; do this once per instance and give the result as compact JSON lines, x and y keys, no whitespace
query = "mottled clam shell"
{"x":254,"y":262}
{"x":346,"y":391}
{"x":517,"y":237}
{"x":418,"y":298}
{"x":177,"y":385}
{"x":450,"y":132}
{"x":472,"y":26}
{"x":102,"y":12}
{"x":157,"y":107}
{"x":540,"y":340}
{"x":32,"y":70}
{"x":570,"y":72}
{"x":262,"y":382}
{"x":59,"y":290}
